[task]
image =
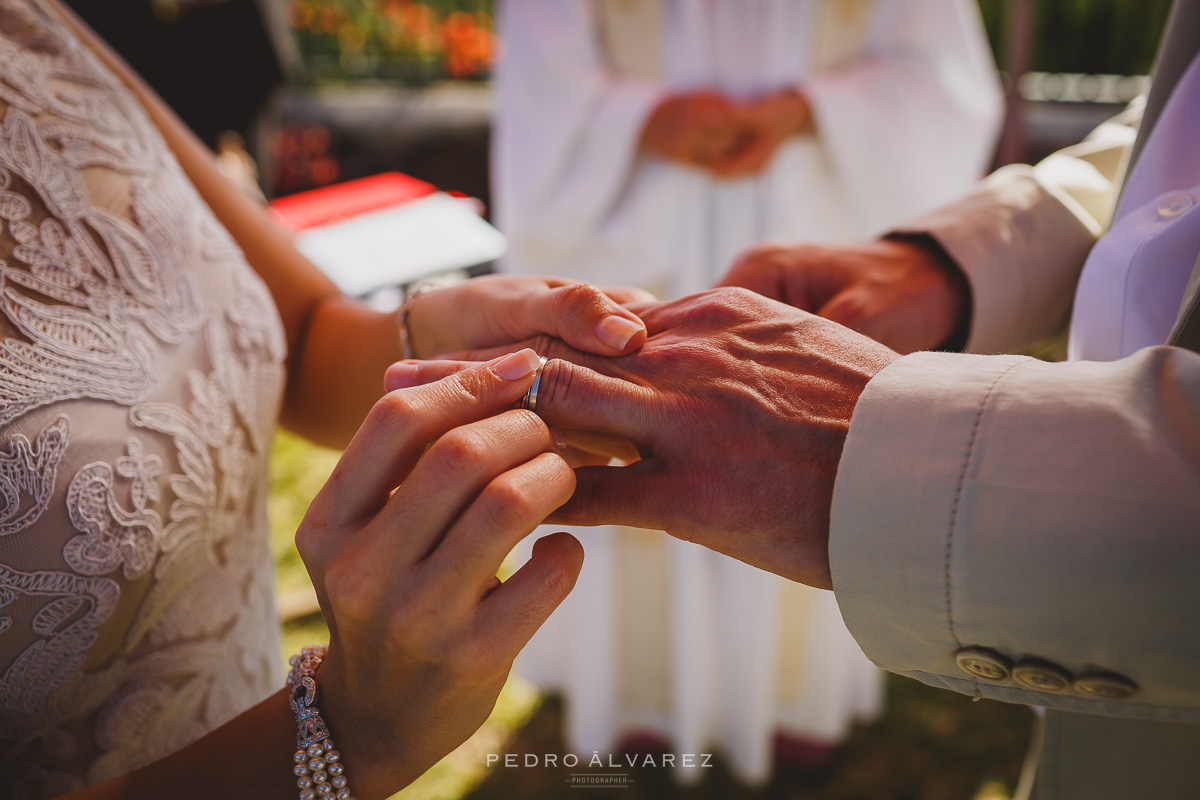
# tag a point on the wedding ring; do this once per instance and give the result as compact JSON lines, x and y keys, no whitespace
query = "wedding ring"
{"x":529,"y":399}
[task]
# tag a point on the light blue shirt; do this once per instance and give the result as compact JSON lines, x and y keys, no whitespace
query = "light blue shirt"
{"x":1133,"y":282}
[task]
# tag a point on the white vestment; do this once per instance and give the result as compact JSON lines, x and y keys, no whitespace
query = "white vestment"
{"x":658,"y":633}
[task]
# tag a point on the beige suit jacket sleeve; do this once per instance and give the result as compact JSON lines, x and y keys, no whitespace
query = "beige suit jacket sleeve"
{"x":1040,"y":510}
{"x":1022,"y":235}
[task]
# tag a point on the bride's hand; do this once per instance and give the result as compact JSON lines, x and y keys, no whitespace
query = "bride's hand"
{"x":495,"y":310}
{"x":422,"y":633}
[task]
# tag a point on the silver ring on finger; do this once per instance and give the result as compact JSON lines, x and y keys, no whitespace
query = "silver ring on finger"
{"x":530,"y":398}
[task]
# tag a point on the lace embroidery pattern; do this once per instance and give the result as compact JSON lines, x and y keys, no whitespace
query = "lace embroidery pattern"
{"x":33,"y":688}
{"x":142,"y":470}
{"x":30,"y":469}
{"x":96,"y":338}
{"x":113,"y":537}
{"x":143,"y":306}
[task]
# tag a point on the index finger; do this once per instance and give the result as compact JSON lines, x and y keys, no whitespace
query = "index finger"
{"x":395,"y":432}
{"x":576,"y":392}
{"x":546,"y":345}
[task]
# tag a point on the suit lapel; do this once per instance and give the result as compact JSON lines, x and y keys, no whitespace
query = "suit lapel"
{"x":1186,"y":332}
{"x":1180,"y":44}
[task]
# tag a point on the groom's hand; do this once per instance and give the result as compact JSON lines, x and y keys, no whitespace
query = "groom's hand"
{"x":904,"y":292}
{"x":739,"y":406}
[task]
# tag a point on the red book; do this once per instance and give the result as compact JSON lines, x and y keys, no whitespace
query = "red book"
{"x":342,"y":201}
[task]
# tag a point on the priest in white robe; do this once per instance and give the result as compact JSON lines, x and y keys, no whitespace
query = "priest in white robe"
{"x":900,"y":105}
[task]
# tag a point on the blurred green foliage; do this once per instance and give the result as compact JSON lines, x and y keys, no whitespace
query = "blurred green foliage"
{"x":1118,"y":37}
{"x":417,"y":42}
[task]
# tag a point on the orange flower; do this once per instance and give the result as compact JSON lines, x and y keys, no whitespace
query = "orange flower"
{"x":328,"y":20}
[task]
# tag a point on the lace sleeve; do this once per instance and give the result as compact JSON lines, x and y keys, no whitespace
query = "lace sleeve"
{"x":140,"y":379}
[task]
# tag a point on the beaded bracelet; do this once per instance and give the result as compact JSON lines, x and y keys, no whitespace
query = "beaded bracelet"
{"x":316,"y":753}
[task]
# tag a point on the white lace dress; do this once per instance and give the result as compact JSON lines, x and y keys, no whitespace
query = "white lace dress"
{"x":140,"y":379}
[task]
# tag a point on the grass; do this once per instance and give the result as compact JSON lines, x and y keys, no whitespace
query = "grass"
{"x":929,"y":745}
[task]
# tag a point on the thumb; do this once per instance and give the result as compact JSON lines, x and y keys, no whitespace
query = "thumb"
{"x":801,"y":275}
{"x":584,"y":317}
{"x":771,"y":271}
{"x":852,"y":307}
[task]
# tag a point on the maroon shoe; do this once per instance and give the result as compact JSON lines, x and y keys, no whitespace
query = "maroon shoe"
{"x":793,"y":752}
{"x":642,"y":742}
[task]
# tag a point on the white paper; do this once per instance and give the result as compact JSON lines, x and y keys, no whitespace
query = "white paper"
{"x":401,"y":244}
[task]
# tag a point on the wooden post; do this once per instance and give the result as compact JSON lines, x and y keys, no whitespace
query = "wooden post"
{"x":1018,"y":47}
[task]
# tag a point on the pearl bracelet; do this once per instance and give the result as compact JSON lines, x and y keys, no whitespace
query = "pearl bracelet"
{"x":318,"y":766}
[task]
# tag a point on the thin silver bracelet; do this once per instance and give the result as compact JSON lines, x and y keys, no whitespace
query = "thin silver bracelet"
{"x":318,"y":766}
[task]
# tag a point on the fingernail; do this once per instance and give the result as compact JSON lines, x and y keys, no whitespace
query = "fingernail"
{"x":616,"y":331}
{"x":515,"y":366}
{"x":400,"y":375}
{"x":560,"y":441}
